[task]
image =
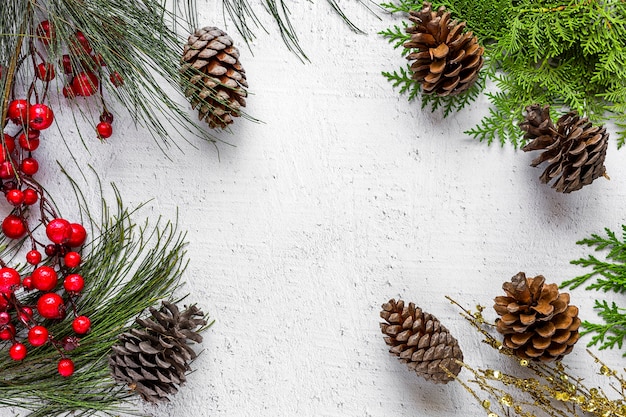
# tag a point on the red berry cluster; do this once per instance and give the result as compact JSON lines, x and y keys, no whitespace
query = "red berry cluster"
{"x":46,"y":291}
{"x":52,"y":303}
{"x":83,"y":69}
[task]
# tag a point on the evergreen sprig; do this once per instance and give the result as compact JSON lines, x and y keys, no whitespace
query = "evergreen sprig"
{"x":127,"y":268}
{"x":609,"y":274}
{"x":138,"y":40}
{"x":568,"y":55}
{"x":402,"y":77}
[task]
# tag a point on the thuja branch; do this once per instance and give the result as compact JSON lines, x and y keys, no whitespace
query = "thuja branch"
{"x":608,"y":273}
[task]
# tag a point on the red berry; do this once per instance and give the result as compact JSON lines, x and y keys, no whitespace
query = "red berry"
{"x":5,"y":318}
{"x":13,"y":227}
{"x":70,"y":343}
{"x":7,"y":148}
{"x":30,"y":196}
{"x":65,"y":367}
{"x":68,"y":92}
{"x":50,"y":306}
{"x":45,"y":71}
{"x":33,"y":257}
{"x":27,"y":283}
{"x":85,"y":84}
{"x":38,"y":336}
{"x":72,"y":259}
{"x":7,"y":332}
{"x":59,"y":231}
{"x":74,"y":283}
{"x":26,"y":143}
{"x":81,"y":324}
{"x":66,"y":63}
{"x":116,"y":79}
{"x":9,"y":280}
{"x":17,"y":352}
{"x":40,"y":116}
{"x":83,"y":42}
{"x":29,"y":166}
{"x":15,"y":197}
{"x":9,"y":142}
{"x":99,"y":60}
{"x":7,"y":170}
{"x":106,"y":117}
{"x":78,"y":237}
{"x":25,"y":314}
{"x":51,"y":249}
{"x":18,"y":111}
{"x":104,"y":129}
{"x":45,"y":278}
{"x":45,"y":32}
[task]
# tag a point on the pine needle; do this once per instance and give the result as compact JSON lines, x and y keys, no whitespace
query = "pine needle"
{"x":127,"y":268}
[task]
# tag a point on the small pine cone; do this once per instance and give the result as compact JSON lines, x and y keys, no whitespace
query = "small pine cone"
{"x":154,"y":358}
{"x":536,"y":320}
{"x":447,"y":61}
{"x":214,"y":80}
{"x":574,"y":149}
{"x":420,"y":341}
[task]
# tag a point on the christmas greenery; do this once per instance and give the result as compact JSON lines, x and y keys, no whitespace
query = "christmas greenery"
{"x":568,"y":55}
{"x":608,"y":274}
{"x":128,"y":268}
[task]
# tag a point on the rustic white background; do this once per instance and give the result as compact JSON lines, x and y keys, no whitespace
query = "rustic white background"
{"x":345,"y":196}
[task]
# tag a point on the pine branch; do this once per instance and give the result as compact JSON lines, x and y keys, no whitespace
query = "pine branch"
{"x":128,"y":268}
{"x":246,"y":20}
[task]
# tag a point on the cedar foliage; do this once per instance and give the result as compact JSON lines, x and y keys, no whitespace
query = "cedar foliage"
{"x":608,"y":274}
{"x":566,"y":55}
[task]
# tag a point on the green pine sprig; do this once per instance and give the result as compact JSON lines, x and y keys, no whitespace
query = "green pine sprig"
{"x":128,"y":267}
{"x":607,"y":274}
{"x":245,"y":17}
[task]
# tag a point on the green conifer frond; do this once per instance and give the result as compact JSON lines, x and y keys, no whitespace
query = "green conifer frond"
{"x":127,"y":268}
{"x":567,"y":55}
{"x":608,"y":274}
{"x":135,"y":39}
{"x":244,"y":16}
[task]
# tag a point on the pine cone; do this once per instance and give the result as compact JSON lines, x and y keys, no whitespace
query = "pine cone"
{"x":536,"y":320}
{"x":420,"y":341}
{"x":154,"y":358}
{"x":447,"y":61}
{"x":214,"y":79}
{"x":574,"y":149}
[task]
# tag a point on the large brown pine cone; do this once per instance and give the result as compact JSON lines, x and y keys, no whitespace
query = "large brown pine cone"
{"x":574,"y":149}
{"x":536,"y":320}
{"x":153,"y":359}
{"x":447,"y":60}
{"x":214,"y":79}
{"x":420,"y":341}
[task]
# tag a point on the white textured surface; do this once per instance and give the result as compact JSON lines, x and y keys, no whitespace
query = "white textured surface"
{"x":347,"y":195}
